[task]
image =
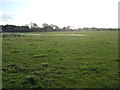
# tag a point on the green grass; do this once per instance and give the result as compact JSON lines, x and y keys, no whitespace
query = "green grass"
{"x":61,"y":61}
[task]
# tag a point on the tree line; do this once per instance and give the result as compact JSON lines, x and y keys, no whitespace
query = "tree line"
{"x":46,"y":28}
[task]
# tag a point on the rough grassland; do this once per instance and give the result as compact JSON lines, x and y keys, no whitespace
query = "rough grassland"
{"x":61,"y":61}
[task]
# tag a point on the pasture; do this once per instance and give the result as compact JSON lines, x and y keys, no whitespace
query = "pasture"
{"x":61,"y":61}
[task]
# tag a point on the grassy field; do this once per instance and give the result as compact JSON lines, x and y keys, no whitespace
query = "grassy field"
{"x":89,"y":61}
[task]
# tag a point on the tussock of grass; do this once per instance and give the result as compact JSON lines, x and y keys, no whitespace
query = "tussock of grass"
{"x":31,"y":44}
{"x":45,"y":64}
{"x":30,"y":79}
{"x":15,"y":51}
{"x":39,"y":56}
{"x":13,"y":68}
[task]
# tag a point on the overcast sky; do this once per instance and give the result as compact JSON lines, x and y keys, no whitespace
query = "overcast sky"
{"x":75,"y":13}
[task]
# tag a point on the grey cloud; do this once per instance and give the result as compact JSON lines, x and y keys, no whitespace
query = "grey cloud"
{"x":6,"y":17}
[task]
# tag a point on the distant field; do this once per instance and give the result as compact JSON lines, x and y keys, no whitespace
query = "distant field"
{"x":61,"y":61}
